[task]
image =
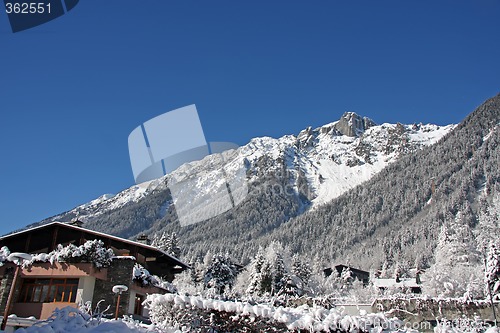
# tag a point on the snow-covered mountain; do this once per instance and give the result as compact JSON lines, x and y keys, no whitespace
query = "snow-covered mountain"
{"x":317,"y":165}
{"x":349,"y":191}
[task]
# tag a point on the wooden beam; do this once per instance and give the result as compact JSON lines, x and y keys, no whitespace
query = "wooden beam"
{"x":54,"y":239}
{"x":27,"y":245}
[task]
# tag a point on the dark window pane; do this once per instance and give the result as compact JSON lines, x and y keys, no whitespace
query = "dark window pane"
{"x":23,"y":294}
{"x":74,"y":289}
{"x":37,"y":290}
{"x":60,"y":292}
{"x":45,"y":291}
{"x":67,"y":293}
{"x":29,"y":293}
{"x":52,"y":294}
{"x":72,"y":281}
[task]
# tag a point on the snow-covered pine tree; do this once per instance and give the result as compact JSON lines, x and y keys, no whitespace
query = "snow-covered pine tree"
{"x":457,"y":269}
{"x":271,"y":273}
{"x":384,"y":270}
{"x":167,"y":243}
{"x":255,"y":273}
{"x":346,"y":275}
{"x":317,"y":281}
{"x":159,"y":241}
{"x":289,"y":286}
{"x":280,"y":274}
{"x":488,"y":229}
{"x":338,"y":285}
{"x":196,"y":272}
{"x":221,"y":274}
{"x":302,"y":271}
{"x":173,"y":246}
{"x":492,"y":273}
{"x":401,"y":269}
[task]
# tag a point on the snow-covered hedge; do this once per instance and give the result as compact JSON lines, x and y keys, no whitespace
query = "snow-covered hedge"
{"x":173,"y":309}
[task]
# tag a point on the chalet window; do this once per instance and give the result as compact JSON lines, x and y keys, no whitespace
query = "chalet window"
{"x":48,"y":290}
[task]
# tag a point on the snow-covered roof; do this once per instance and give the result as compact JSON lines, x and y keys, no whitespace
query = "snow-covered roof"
{"x":101,"y":234}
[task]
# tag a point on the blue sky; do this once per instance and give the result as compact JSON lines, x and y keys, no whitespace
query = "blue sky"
{"x":73,"y":89}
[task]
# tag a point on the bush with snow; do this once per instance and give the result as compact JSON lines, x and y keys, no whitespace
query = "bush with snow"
{"x":145,"y":278}
{"x":92,"y":251}
{"x":4,"y":254}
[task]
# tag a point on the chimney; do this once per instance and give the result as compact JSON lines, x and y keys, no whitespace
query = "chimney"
{"x":76,"y":222}
{"x":143,"y":239}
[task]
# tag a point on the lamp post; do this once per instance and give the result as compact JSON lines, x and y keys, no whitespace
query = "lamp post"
{"x":17,"y":258}
{"x":118,"y":289}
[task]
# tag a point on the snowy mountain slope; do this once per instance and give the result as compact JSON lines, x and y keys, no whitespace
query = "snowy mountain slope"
{"x":320,"y":164}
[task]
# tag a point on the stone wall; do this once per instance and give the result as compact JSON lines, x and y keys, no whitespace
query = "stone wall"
{"x":5,"y":285}
{"x":421,"y":309}
{"x":120,"y":272}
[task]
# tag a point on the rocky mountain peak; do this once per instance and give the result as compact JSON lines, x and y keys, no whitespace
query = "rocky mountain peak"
{"x":352,"y":124}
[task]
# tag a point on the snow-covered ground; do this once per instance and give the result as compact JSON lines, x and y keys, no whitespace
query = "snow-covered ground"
{"x":71,"y":320}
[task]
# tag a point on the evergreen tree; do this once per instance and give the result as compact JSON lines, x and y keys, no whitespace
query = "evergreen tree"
{"x":280,"y":274}
{"x":255,"y":273}
{"x":289,"y":286}
{"x":384,"y":270}
{"x":159,"y":241}
{"x":346,"y":276}
{"x":492,"y":272}
{"x":172,"y":247}
{"x":167,"y":243}
{"x":271,"y":273}
{"x":221,"y":274}
{"x":457,"y":269}
{"x":488,"y":229}
{"x":302,"y":272}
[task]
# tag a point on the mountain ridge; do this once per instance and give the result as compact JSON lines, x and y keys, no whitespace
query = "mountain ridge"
{"x":318,"y":165}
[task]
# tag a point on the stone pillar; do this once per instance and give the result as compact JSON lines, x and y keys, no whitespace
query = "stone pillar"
{"x":5,"y":286}
{"x":120,"y":272}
